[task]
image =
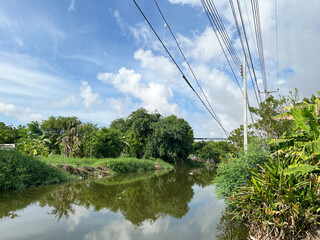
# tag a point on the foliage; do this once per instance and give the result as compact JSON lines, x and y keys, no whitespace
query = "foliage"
{"x":8,"y":134}
{"x":215,"y":151}
{"x":171,"y":140}
{"x":94,"y":162}
{"x":105,"y":143}
{"x":234,"y":172}
{"x":33,"y":146}
{"x":279,"y":205}
{"x":55,"y":129}
{"x":267,"y":125}
{"x":236,"y":136}
{"x":138,"y":128}
{"x":19,"y":171}
{"x":282,"y":198}
{"x":130,"y":165}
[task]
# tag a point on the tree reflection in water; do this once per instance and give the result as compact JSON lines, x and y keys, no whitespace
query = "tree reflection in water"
{"x":144,"y":199}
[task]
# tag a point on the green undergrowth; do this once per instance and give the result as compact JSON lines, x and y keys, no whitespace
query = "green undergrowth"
{"x":117,"y":165}
{"x":18,"y":171}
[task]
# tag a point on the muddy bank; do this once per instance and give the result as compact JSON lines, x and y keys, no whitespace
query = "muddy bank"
{"x":84,"y":171}
{"x":100,"y":171}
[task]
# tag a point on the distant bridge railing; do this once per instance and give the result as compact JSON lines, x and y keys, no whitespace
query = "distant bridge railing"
{"x":210,"y":139}
{"x":7,"y":146}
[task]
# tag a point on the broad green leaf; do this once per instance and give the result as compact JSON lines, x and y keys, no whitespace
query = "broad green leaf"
{"x":299,"y":120}
{"x":316,"y":147}
{"x":300,"y":168}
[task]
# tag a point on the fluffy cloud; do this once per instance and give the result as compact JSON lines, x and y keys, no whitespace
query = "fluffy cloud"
{"x":153,"y":95}
{"x":192,"y":2}
{"x":66,"y":102}
{"x":89,"y":99}
{"x":24,"y":115}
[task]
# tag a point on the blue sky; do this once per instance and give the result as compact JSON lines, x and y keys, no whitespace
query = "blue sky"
{"x":98,"y":60}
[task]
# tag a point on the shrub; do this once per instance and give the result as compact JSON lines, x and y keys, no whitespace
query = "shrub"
{"x":19,"y":171}
{"x":235,"y":172}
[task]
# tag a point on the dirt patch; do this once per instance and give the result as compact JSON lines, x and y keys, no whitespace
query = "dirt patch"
{"x":158,"y":166}
{"x":84,"y":171}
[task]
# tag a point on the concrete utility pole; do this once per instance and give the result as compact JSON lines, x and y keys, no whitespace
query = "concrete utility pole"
{"x":245,"y":121}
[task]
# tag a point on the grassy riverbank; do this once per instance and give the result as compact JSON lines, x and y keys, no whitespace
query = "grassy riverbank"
{"x":116,"y":165}
{"x":18,"y":171}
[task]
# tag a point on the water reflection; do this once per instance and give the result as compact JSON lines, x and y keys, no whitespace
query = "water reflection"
{"x":144,"y":199}
{"x":134,"y":206}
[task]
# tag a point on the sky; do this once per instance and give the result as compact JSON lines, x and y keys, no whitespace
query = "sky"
{"x":99,"y":60}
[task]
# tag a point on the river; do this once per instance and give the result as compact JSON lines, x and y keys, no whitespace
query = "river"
{"x":164,"y":205}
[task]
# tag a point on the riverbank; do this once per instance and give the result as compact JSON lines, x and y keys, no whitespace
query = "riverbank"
{"x":104,"y":166}
{"x":20,"y":171}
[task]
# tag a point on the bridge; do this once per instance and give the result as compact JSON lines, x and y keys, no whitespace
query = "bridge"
{"x":210,"y":139}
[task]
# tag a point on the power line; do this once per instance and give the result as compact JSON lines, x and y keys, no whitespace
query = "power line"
{"x":183,"y":76}
{"x":277,"y":49}
{"x":257,"y":24}
{"x":211,"y":20}
{"x":223,"y":33}
{"x":243,"y":47}
{"x":178,"y":45}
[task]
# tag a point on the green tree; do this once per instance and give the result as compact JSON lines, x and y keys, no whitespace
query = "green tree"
{"x":236,"y":136}
{"x":216,"y":151}
{"x":105,"y":143}
{"x":267,"y":124}
{"x":8,"y":134}
{"x":171,"y":140}
{"x":56,"y":128}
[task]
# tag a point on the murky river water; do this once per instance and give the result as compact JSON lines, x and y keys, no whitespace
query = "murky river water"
{"x":165,"y":205}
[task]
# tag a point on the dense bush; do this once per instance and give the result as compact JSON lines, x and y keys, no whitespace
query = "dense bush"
{"x":282,"y":198}
{"x":130,"y":165}
{"x":235,"y":172}
{"x":104,"y":143}
{"x":19,"y":171}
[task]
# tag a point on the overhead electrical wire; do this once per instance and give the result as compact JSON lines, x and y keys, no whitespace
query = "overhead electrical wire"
{"x":248,"y":48}
{"x":223,"y":33}
{"x":215,"y":29}
{"x":183,"y":76}
{"x":277,"y":47}
{"x":244,"y":50}
{"x":257,"y":25}
{"x":185,"y":59}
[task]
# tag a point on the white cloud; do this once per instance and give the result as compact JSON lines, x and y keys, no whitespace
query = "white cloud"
{"x":74,"y":219}
{"x":153,"y":95}
{"x":192,"y":2}
{"x":89,"y":99}
{"x":24,"y":115}
{"x":160,"y":65}
{"x":66,"y":102}
{"x":122,"y":106}
{"x":71,"y":7}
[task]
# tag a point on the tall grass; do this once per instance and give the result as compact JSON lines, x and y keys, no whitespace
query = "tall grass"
{"x":19,"y":171}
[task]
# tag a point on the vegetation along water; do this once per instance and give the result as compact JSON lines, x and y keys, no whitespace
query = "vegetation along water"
{"x":143,"y":186}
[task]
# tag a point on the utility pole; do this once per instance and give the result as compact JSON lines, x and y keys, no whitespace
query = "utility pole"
{"x":245,"y":121}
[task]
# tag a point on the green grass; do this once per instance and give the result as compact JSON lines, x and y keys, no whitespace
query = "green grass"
{"x":117,"y":165}
{"x":18,"y":171}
